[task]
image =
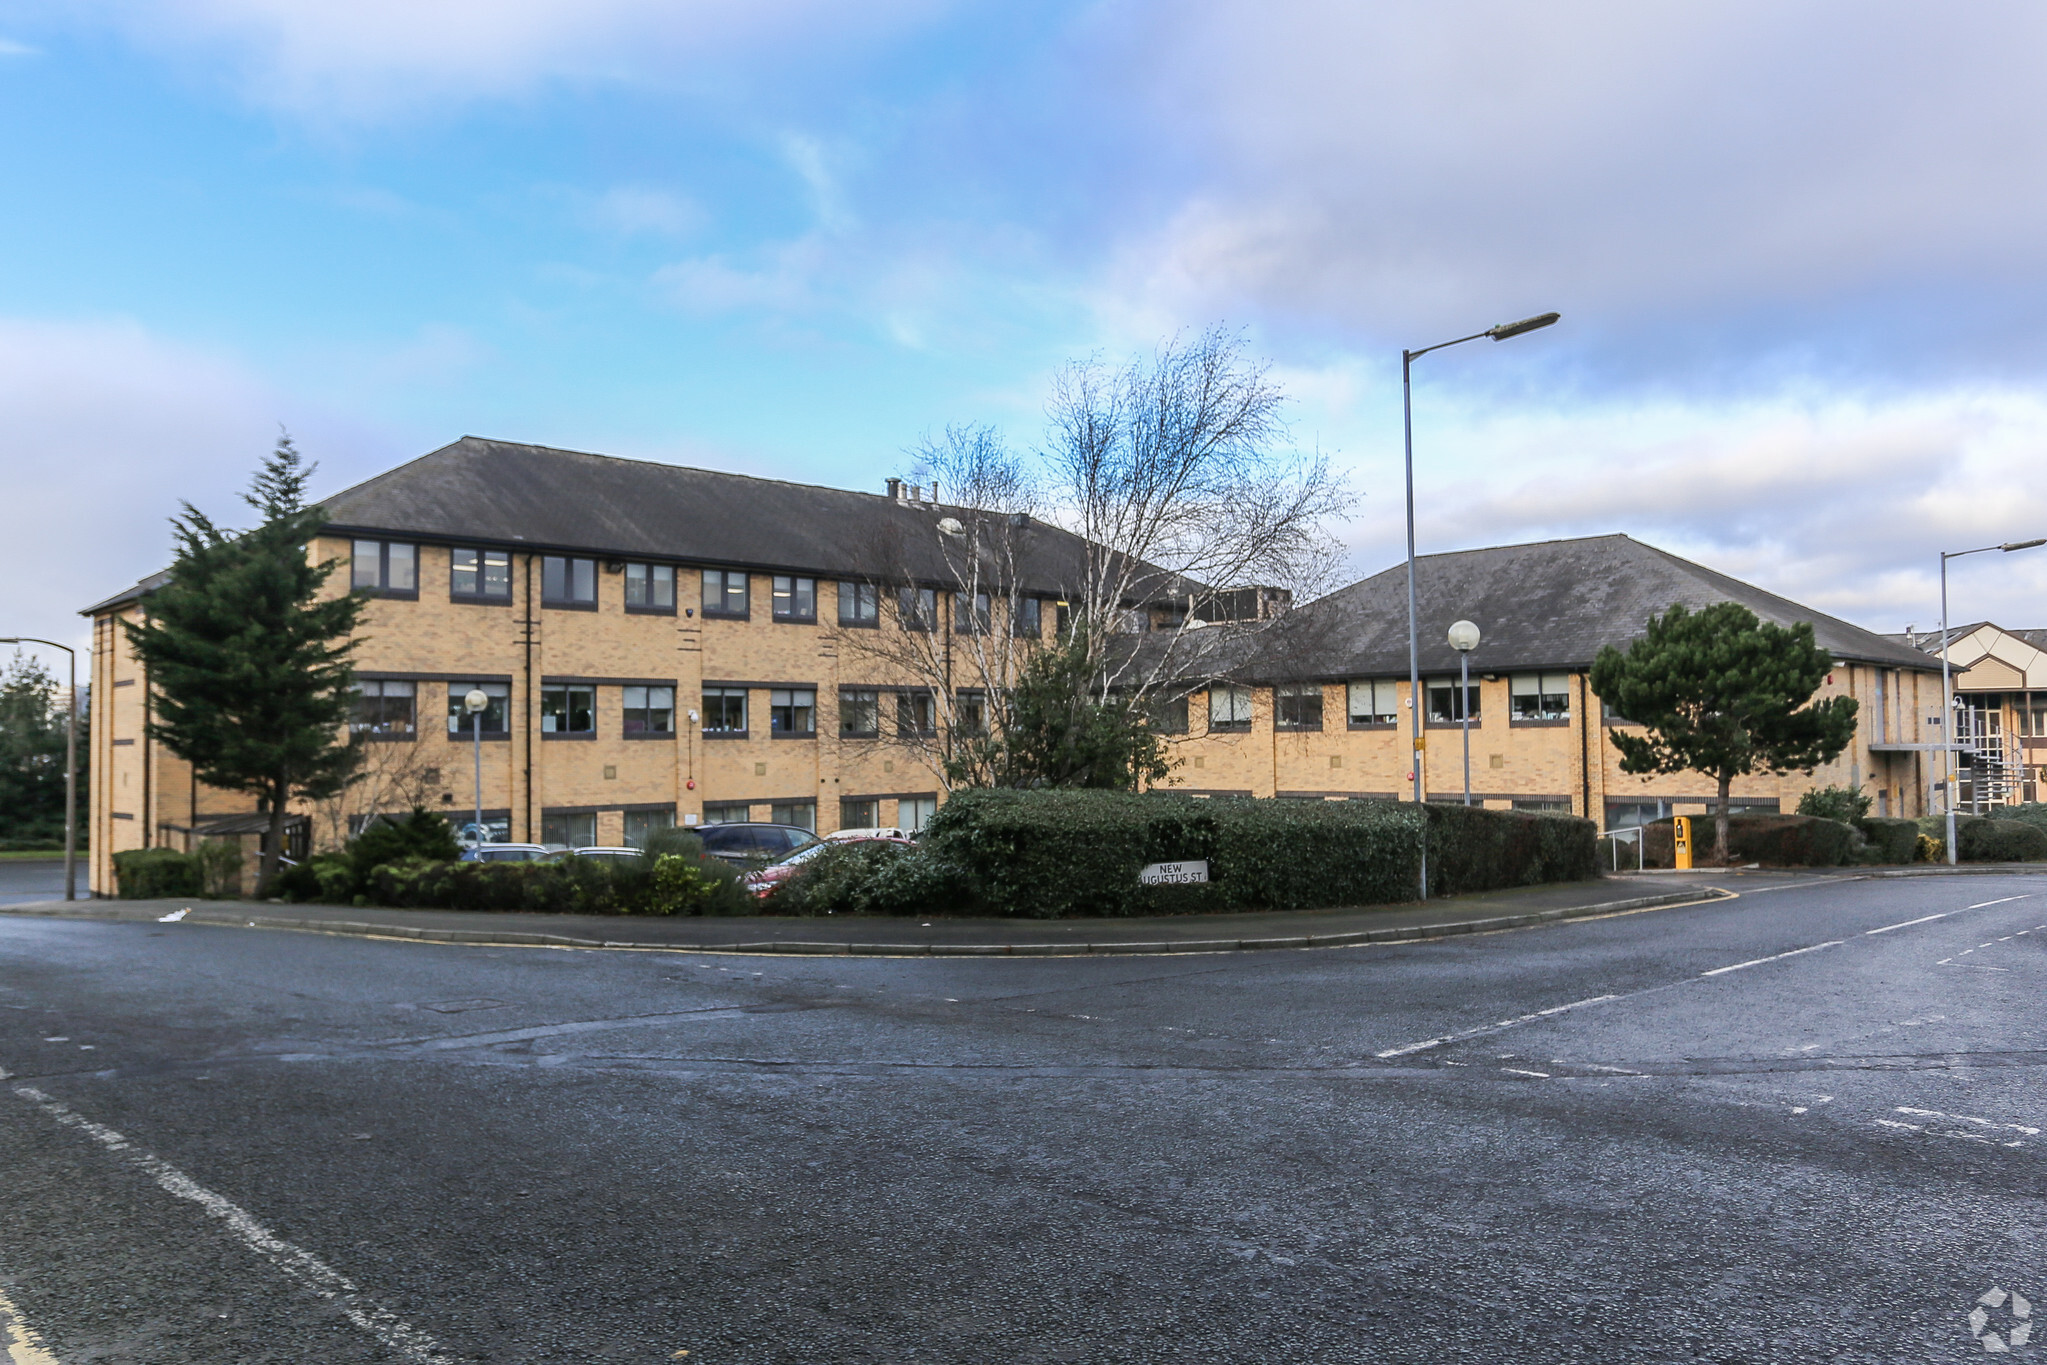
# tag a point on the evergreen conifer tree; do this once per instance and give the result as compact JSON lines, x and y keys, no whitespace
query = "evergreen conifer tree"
{"x":1723,"y":694}
{"x":248,"y":663}
{"x":31,"y":753}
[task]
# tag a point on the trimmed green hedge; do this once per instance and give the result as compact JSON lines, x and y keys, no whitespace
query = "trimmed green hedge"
{"x":1980,"y":840}
{"x":1061,"y":854}
{"x":1890,"y":840}
{"x":1774,"y":840}
{"x":148,"y":873}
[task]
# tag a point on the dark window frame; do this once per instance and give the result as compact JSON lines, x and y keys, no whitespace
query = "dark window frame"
{"x":370,"y":730}
{"x":792,"y":616}
{"x":648,"y":609}
{"x":776,"y":730}
{"x":872,"y":701}
{"x":725,"y":694}
{"x":1159,"y":714}
{"x":972,"y":618}
{"x":1474,"y":701}
{"x":722,"y":612}
{"x":459,"y":688}
{"x":382,"y":588}
{"x":1232,"y":727}
{"x":565,"y":689}
{"x":647,"y":708}
{"x":1282,"y":693}
{"x":923,"y":617}
{"x":1032,"y":628}
{"x":906,"y":705}
{"x":483,"y":557}
{"x":866,"y":594}
{"x":568,"y":563}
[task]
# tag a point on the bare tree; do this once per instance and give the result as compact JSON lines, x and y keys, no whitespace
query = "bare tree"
{"x":390,"y":778}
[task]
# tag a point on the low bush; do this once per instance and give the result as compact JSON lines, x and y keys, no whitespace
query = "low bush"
{"x":1979,"y":840}
{"x":148,"y":873}
{"x":1890,"y":840}
{"x":1845,"y":804}
{"x":1773,"y":840}
{"x":220,"y":868}
{"x":420,"y":833}
{"x":654,"y":884}
{"x":1056,"y":854}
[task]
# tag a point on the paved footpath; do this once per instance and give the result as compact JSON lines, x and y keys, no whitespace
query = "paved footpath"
{"x":1798,"y":1124}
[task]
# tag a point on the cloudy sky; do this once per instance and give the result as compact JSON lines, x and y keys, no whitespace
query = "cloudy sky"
{"x":1797,"y":247}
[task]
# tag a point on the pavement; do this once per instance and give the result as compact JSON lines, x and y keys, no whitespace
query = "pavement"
{"x":1802,"y":1124}
{"x":963,"y":936}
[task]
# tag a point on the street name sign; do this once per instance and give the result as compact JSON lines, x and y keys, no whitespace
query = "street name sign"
{"x":1173,"y":874}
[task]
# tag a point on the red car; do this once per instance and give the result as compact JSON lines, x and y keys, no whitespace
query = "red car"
{"x":763,"y":882}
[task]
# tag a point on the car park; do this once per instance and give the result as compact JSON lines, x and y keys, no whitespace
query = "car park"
{"x":505,"y":853}
{"x":609,"y":855}
{"x":752,"y":842}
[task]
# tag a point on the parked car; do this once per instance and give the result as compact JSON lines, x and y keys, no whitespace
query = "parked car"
{"x":504,"y":853}
{"x":613,"y":855}
{"x":841,"y":836}
{"x":763,"y":881}
{"x":752,"y":843}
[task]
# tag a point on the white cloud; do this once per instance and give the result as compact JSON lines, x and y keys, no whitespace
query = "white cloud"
{"x":632,"y":210}
{"x":11,"y":48}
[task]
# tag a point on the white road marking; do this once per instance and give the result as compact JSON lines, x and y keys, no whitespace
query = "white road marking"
{"x":24,"y":1347}
{"x":1491,"y":1028}
{"x":1774,"y":957}
{"x":1999,"y":901}
{"x":1515,"y":1070}
{"x":1964,"y":1118}
{"x":1923,"y":919}
{"x":296,"y":1263}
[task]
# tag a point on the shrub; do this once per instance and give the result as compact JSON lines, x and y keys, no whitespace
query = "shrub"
{"x":324,"y":877}
{"x":1929,"y":850}
{"x":220,"y":868}
{"x":147,"y":873}
{"x":2031,"y":813}
{"x":1845,"y":804}
{"x":1979,"y":840}
{"x":1890,"y":840}
{"x":871,"y":877}
{"x":387,"y":839}
{"x":1775,"y":840}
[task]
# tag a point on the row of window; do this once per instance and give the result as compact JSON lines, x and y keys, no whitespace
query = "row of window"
{"x":1376,"y":701}
{"x":392,"y":567}
{"x":578,"y":829}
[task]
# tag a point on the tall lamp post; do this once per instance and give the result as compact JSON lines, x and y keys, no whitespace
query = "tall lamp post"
{"x":476,"y":703}
{"x":1947,"y":683}
{"x":1464,"y":639}
{"x":1414,"y":666}
{"x":70,"y":766}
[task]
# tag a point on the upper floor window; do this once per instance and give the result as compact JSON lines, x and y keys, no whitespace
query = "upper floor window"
{"x":568,"y":709}
{"x":792,"y":712}
{"x":970,"y":713}
{"x":1030,"y":620}
{"x":795,"y":598}
{"x":1229,"y":707}
{"x":1375,"y":701}
{"x":1539,"y":696}
{"x":725,"y":593}
{"x":916,"y":713}
{"x":859,"y":712}
{"x":724,"y":710}
{"x":566,"y":582}
{"x":918,"y":608}
{"x":859,"y":604}
{"x":480,"y":574}
{"x":1297,"y":706}
{"x":385,"y":566}
{"x":497,"y":713}
{"x":384,"y":708}
{"x":1168,"y":714}
{"x":648,"y":710}
{"x":650,"y":587}
{"x":1444,"y":708}
{"x":970,"y":613}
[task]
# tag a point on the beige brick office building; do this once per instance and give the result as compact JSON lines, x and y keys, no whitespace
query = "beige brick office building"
{"x":664,"y":645}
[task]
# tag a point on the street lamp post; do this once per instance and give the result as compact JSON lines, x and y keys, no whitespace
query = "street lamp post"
{"x":1464,"y":639}
{"x":477,"y":702}
{"x":70,"y":766}
{"x":1947,"y":685}
{"x":1414,"y":667}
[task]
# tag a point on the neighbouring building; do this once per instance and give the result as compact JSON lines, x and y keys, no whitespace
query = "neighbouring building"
{"x":665,"y":645}
{"x":2000,"y":712}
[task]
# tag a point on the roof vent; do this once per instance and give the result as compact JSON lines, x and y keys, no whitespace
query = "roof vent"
{"x":895,"y":489}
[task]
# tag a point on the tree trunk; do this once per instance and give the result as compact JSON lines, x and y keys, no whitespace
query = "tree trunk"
{"x":1720,"y":821}
{"x":273,"y":843}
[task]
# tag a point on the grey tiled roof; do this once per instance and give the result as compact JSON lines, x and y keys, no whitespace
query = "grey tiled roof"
{"x":1552,"y":604}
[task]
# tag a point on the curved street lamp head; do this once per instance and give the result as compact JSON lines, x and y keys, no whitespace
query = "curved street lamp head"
{"x":1515,"y":329}
{"x":1463,"y":637}
{"x":2007,"y":547}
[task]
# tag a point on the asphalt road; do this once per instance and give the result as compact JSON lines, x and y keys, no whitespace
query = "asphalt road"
{"x":35,"y":879}
{"x":1795,"y":1126}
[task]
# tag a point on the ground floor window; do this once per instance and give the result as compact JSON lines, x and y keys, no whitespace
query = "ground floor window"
{"x":1297,"y":706}
{"x":569,"y":831}
{"x":1539,"y":696}
{"x":802,"y":813}
{"x":859,"y":814}
{"x":1443,"y":705}
{"x":1539,"y":806}
{"x":1229,"y":707}
{"x":1375,"y":701}
{"x":640,"y":823}
{"x":718,"y":815}
{"x":1629,"y":814}
{"x":914,"y":812}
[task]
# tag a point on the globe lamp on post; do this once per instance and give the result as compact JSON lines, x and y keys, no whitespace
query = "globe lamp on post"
{"x":476,"y":703}
{"x":1464,"y":638}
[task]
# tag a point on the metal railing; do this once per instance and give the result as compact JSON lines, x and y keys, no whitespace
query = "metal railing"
{"x":1614,"y":838}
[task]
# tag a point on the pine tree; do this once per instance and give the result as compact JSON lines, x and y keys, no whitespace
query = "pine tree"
{"x":31,"y":753}
{"x":1723,"y":694}
{"x":248,"y":667}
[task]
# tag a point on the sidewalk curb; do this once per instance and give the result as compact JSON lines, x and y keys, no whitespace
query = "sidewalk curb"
{"x":514,"y":939}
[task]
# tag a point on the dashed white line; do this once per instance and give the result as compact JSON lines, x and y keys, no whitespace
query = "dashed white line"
{"x":24,"y":1347}
{"x":406,"y":1341}
{"x":1517,"y":1071}
{"x":1774,"y":957}
{"x":1923,"y":919}
{"x":1999,"y":901}
{"x":1491,"y":1028}
{"x":1964,"y":1118}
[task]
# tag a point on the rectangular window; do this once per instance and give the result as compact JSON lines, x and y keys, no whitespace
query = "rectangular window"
{"x":859,"y":604}
{"x":914,"y":812}
{"x":1539,"y":696}
{"x":496,"y":715}
{"x":970,"y":713}
{"x":1375,"y":701}
{"x":795,"y":598}
{"x":725,"y":593}
{"x":724,"y":712}
{"x":640,"y":823}
{"x":384,"y":708}
{"x":727,"y":814}
{"x":648,"y":711}
{"x":569,"y":831}
{"x":917,"y":608}
{"x":568,"y":709}
{"x":1030,"y":617}
{"x":385,"y":566}
{"x":1168,"y":715}
{"x":567,"y":582}
{"x":859,"y":814}
{"x":859,"y":712}
{"x":650,"y":587}
{"x":970,"y":613}
{"x":1529,"y":805}
{"x":484,"y":575}
{"x":1062,"y":619}
{"x":792,"y":712}
{"x":799,"y":813}
{"x":916,"y":713}
{"x":1229,"y":707}
{"x":1443,"y":705}
{"x":1297,"y":706}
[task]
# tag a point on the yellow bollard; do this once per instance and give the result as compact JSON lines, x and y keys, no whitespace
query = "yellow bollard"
{"x":1681,"y":831}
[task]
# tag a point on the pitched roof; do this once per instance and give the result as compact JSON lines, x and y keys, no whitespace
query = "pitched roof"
{"x":1551,"y":604}
{"x":503,"y":493}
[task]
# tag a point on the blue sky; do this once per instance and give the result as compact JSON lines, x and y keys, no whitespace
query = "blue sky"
{"x":1796,"y":247}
